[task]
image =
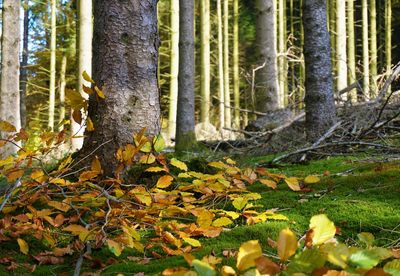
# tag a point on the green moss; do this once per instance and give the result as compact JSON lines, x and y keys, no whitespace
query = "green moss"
{"x":186,"y":143}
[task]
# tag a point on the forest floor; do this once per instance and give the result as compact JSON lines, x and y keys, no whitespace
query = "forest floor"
{"x":357,"y":193}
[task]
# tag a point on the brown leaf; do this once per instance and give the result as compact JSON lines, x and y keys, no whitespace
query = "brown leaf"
{"x":46,"y":259}
{"x":266,"y":266}
{"x":77,"y":116}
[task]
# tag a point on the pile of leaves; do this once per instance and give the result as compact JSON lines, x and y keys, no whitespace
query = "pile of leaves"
{"x":316,"y":253}
{"x":74,"y":209}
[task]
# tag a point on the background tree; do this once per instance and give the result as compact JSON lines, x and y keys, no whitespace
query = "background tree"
{"x":24,"y":63}
{"x":319,"y":99}
{"x":53,"y":46}
{"x":205,"y":60}
{"x":125,"y":54}
{"x":9,"y":95}
{"x":341,"y":48}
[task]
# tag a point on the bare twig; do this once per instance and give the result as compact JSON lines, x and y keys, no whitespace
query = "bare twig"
{"x":9,"y":194}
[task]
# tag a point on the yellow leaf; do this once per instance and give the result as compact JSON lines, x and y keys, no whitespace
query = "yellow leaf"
{"x":59,"y":205}
{"x":179,"y":164}
{"x":75,"y":229}
{"x":287,"y":244}
{"x":96,"y":165}
{"x":23,"y":246}
{"x":311,"y":179}
{"x":65,"y":163}
{"x":7,"y":127}
{"x":159,"y":143}
{"x":87,"y":175}
{"x":75,"y":99}
{"x":89,"y":124}
{"x":205,"y":218}
{"x":99,"y":92}
{"x":269,"y":183}
{"x":147,"y":159}
{"x":233,"y":215}
{"x":248,"y":253}
{"x":14,"y":175}
{"x":38,"y":176}
{"x":142,"y":195}
{"x":293,"y":183}
{"x":323,"y":229}
{"x":192,"y":242}
{"x":240,"y":202}
{"x":155,"y":169}
{"x":228,"y":271}
{"x":218,"y":165}
{"x":230,"y":161}
{"x":86,"y":77}
{"x":9,"y":160}
{"x":164,"y":181}
{"x":221,"y":222}
{"x":114,"y":247}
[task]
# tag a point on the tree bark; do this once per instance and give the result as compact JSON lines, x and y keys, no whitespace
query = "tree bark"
{"x":63,"y":83}
{"x":125,"y":54}
{"x":236,"y":77}
{"x":341,"y":47}
{"x":24,"y":63}
{"x":9,"y":95}
{"x":365,"y":49}
{"x":85,"y":36}
{"x":267,"y":87}
{"x":205,"y":61}
{"x":174,"y":68}
{"x":351,"y":49}
{"x":388,"y":37}
{"x":282,"y":61}
{"x":185,"y":136}
{"x":319,"y":99}
{"x":221,"y":89}
{"x":227,"y":92}
{"x":53,"y":46}
{"x":373,"y":50}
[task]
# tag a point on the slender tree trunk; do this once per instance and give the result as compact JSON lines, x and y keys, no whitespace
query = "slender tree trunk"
{"x":388,"y":36}
{"x":236,"y":77}
{"x":227,"y":97}
{"x":24,"y":64}
{"x":125,"y":53}
{"x":267,"y":78}
{"x":220,"y":68}
{"x":319,"y":99}
{"x":282,"y":52}
{"x":332,"y":31}
{"x":85,"y":36}
{"x":185,"y":136}
{"x":53,"y":46}
{"x":351,"y":51}
{"x":63,"y":84}
{"x":341,"y":49}
{"x":205,"y":60}
{"x":174,"y":69}
{"x":373,"y":49}
{"x":302,"y":69}
{"x":365,"y":49}
{"x":9,"y":94}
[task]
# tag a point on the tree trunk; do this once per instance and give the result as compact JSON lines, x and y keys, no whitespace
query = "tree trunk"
{"x":388,"y":37}
{"x":365,"y":49}
{"x":63,"y":83}
{"x":185,"y":136}
{"x":125,"y":53}
{"x":174,"y":68}
{"x":373,"y":49}
{"x":341,"y":49}
{"x":85,"y":36}
{"x":9,"y":94}
{"x":351,"y":50}
{"x":319,"y":99}
{"x":205,"y":61}
{"x":221,"y":89}
{"x":227,"y":93}
{"x":267,"y":77}
{"x":236,"y":78}
{"x":53,"y":46}
{"x":24,"y":63}
{"x":282,"y":62}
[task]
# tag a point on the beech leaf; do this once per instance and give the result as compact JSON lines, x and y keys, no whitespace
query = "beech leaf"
{"x":287,"y":244}
{"x":323,"y":229}
{"x":248,"y":253}
{"x":164,"y":181}
{"x":23,"y":246}
{"x":179,"y":164}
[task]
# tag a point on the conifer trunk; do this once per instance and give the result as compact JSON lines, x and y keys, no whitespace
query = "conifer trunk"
{"x":373,"y":49}
{"x":365,"y":49}
{"x":351,"y":51}
{"x":53,"y":46}
{"x":227,"y":97}
{"x":388,"y":37}
{"x":205,"y":60}
{"x":221,"y":89}
{"x":235,"y":53}
{"x":341,"y":48}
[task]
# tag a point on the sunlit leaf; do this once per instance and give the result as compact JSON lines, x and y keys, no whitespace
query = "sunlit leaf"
{"x":89,"y":124}
{"x":293,"y":183}
{"x":311,"y":179}
{"x":159,"y":143}
{"x":65,"y":163}
{"x":240,"y":202}
{"x":87,"y":175}
{"x":393,"y":267}
{"x":203,"y":268}
{"x":269,"y":183}
{"x":155,"y":169}
{"x":221,"y":222}
{"x":96,"y":165}
{"x":59,"y":205}
{"x":7,"y":127}
{"x":227,"y":271}
{"x":324,"y":229}
{"x":306,"y":262}
{"x":179,"y":164}
{"x":86,"y":77}
{"x":287,"y":244}
{"x":336,"y":254}
{"x":99,"y":92}
{"x":75,"y":229}
{"x":23,"y":246}
{"x":248,"y":253}
{"x":164,"y":181}
{"x":192,"y":242}
{"x":204,"y":218}
{"x":366,"y":238}
{"x":364,"y":259}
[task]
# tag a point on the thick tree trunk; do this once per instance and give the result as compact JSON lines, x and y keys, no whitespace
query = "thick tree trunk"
{"x":53,"y":46}
{"x":236,"y":78}
{"x":220,"y":68}
{"x":205,"y":61}
{"x":24,"y":63}
{"x":174,"y":69}
{"x":185,"y":136}
{"x":9,"y":95}
{"x":319,"y":99}
{"x":267,"y":78}
{"x":125,"y":53}
{"x":85,"y":36}
{"x":341,"y":49}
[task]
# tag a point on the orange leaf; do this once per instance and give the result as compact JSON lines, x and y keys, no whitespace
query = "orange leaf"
{"x":269,"y":183}
{"x":164,"y":181}
{"x":88,"y":175}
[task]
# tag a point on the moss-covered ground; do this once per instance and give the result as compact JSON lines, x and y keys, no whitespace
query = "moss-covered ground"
{"x":358,"y":194}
